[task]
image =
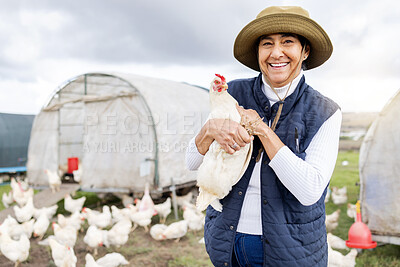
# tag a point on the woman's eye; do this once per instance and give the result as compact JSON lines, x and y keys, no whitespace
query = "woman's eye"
{"x":266,"y":43}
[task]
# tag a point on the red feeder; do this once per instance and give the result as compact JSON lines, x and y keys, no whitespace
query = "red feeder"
{"x":72,"y":164}
{"x":359,"y":233}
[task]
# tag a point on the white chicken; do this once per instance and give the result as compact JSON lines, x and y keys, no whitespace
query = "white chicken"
{"x":73,"y":205}
{"x":182,"y":200}
{"x":95,"y":237}
{"x":332,"y":220}
{"x":74,"y":220}
{"x":146,"y":202}
{"x":26,"y":212}
{"x":7,"y":199}
{"x":336,"y":259}
{"x":15,"y":229}
{"x":100,"y":219}
{"x":352,"y":211}
{"x":66,"y":235}
{"x":48,"y":211}
{"x":157,"y":230}
{"x":142,"y":218}
{"x":220,"y":170}
{"x":339,"y":195}
{"x":118,"y":235}
{"x":78,"y":174}
{"x":16,"y":251}
{"x":119,"y":214}
{"x":41,"y":225}
{"x":336,"y":242}
{"x":163,"y":210}
{"x":194,"y":218}
{"x":113,"y":259}
{"x":54,"y":180}
{"x":20,"y":193}
{"x":175,"y":230}
{"x":127,"y":199}
{"x":90,"y":261}
{"x":63,"y":255}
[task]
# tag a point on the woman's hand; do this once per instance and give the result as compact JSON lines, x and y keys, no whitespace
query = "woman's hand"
{"x":229,"y":134}
{"x":251,"y":121}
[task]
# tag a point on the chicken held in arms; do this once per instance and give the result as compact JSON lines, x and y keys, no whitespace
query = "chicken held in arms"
{"x":220,"y":170}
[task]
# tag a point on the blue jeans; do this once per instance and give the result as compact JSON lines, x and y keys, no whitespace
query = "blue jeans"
{"x":248,"y":250}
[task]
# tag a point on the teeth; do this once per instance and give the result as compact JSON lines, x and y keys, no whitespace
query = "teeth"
{"x":279,"y":64}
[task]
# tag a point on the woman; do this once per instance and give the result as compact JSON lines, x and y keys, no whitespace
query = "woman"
{"x":275,"y":214}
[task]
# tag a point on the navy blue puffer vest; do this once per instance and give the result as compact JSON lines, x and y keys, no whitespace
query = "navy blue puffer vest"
{"x":293,"y":234}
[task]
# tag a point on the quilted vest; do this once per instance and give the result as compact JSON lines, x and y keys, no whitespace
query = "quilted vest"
{"x":293,"y":234}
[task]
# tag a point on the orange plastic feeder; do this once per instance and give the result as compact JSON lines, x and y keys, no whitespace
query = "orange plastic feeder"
{"x":72,"y":164}
{"x":359,"y":233}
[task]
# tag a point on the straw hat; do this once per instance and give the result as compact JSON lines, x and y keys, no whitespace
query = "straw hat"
{"x":282,"y":19}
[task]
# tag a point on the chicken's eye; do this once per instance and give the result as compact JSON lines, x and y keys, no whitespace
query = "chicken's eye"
{"x":216,"y":82}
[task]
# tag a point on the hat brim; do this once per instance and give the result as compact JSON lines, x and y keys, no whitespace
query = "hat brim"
{"x":246,"y":42}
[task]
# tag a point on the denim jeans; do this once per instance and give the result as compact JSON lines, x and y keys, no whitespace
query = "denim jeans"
{"x":248,"y":250}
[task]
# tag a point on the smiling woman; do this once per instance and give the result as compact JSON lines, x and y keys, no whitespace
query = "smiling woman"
{"x":275,"y":213}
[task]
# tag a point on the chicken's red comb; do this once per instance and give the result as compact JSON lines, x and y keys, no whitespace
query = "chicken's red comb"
{"x":221,"y":77}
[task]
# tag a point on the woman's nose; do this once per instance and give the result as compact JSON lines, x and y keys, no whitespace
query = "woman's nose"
{"x":276,"y":51}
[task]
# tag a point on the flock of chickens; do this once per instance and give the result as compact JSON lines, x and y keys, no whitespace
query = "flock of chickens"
{"x":110,"y":227}
{"x":335,"y":258}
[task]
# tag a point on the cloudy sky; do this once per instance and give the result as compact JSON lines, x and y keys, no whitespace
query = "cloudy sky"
{"x":44,"y":43}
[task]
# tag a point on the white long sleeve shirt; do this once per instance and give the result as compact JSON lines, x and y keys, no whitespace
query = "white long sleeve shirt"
{"x":305,"y":179}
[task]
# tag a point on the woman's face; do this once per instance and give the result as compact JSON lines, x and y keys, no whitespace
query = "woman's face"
{"x":278,"y":57}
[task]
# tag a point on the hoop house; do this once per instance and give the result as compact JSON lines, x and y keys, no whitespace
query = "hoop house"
{"x":380,"y":174}
{"x":124,"y":129}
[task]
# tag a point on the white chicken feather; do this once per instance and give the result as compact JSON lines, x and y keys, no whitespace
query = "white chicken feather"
{"x":220,"y":170}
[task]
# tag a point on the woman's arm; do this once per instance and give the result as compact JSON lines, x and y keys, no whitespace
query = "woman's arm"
{"x":305,"y":179}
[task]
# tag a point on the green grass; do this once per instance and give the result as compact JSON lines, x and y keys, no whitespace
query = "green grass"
{"x":383,"y":255}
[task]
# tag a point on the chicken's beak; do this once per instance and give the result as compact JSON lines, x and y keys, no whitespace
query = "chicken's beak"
{"x":225,"y":86}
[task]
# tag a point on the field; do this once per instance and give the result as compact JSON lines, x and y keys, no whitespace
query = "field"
{"x":142,"y":250}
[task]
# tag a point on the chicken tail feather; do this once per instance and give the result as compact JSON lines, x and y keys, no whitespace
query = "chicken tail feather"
{"x":204,"y":199}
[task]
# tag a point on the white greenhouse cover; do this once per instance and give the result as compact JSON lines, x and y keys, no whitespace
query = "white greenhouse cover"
{"x":380,"y":174}
{"x":108,"y":122}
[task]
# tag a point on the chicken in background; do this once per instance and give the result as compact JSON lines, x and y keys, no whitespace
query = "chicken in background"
{"x":220,"y":170}
{"x":26,"y":212}
{"x":126,"y":200}
{"x":175,"y":230}
{"x":337,"y":259}
{"x":163,"y":210}
{"x":41,"y":225}
{"x":66,"y":235}
{"x":336,"y":242}
{"x":15,"y":229}
{"x":74,"y":220}
{"x":113,"y":259}
{"x":54,"y":180}
{"x":332,"y":220}
{"x":141,"y":218}
{"x":78,"y":174}
{"x":90,"y":261}
{"x":73,"y":205}
{"x":182,"y":200}
{"x":157,"y":230}
{"x":48,"y":211}
{"x":195,"y":218}
{"x":63,"y":255}
{"x":15,"y":251}
{"x":7,"y":199}
{"x":352,"y":211}
{"x":339,"y":195}
{"x":146,"y":202}
{"x":100,"y":219}
{"x":119,"y":214}
{"x":118,"y":235}
{"x":20,"y":193}
{"x":94,"y":238}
